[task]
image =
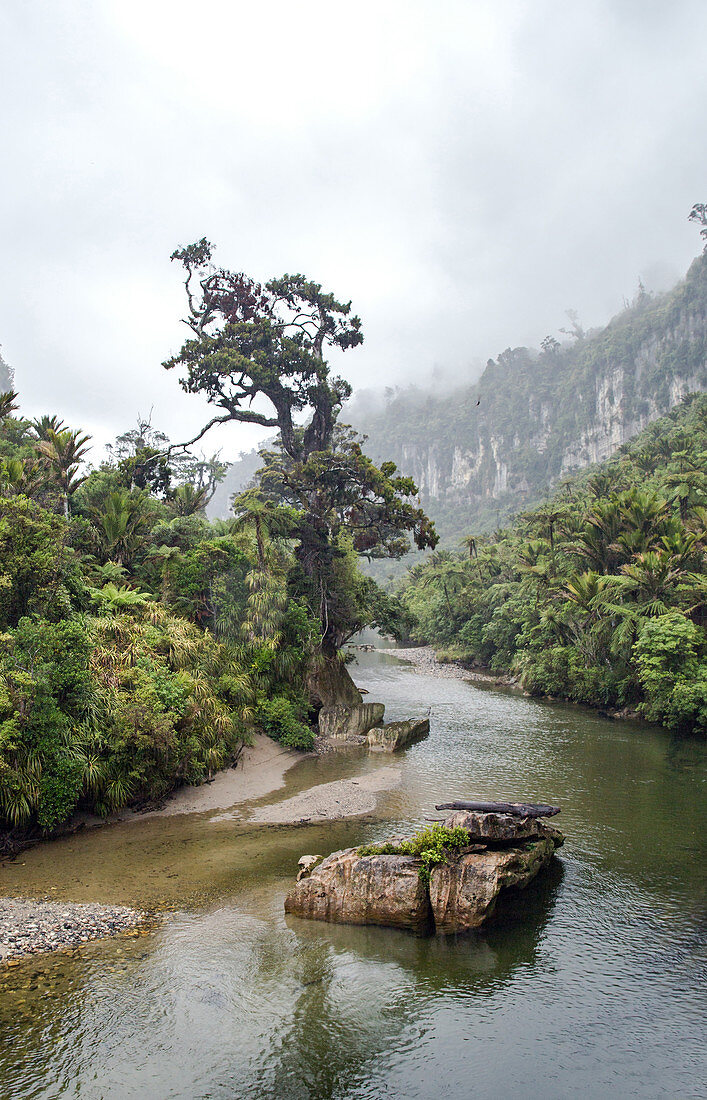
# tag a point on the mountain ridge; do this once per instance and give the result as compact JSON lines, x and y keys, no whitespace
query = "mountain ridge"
{"x":543,"y":414}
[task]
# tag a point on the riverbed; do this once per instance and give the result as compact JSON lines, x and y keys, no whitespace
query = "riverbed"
{"x":589,"y":983}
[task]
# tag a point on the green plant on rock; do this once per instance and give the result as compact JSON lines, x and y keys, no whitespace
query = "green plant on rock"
{"x":432,"y":846}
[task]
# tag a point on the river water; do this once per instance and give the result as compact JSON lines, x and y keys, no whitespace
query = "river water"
{"x":590,"y":983}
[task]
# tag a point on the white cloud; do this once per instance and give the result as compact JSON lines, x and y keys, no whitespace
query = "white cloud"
{"x":463,"y":171}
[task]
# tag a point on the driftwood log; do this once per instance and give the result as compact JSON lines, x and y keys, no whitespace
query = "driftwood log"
{"x":518,"y":809}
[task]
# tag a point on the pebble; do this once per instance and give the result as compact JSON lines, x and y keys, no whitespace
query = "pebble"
{"x":28,"y":927}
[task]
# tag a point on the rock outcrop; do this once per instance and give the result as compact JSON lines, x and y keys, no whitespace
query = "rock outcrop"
{"x":343,"y":715}
{"x":461,"y":894}
{"x":464,"y":892}
{"x":329,"y":684}
{"x":351,"y":889}
{"x":396,"y":735}
{"x":502,"y":828}
{"x":345,"y":721}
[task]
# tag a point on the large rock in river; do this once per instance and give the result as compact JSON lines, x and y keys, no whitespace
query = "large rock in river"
{"x":462,"y":893}
{"x":502,"y":828}
{"x":396,"y":735}
{"x":353,"y":889}
{"x":344,"y":721}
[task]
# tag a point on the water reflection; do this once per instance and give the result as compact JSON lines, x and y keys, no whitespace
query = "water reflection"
{"x":292,"y":1009}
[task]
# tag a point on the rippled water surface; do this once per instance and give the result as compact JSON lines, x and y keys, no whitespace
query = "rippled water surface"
{"x":589,"y":983}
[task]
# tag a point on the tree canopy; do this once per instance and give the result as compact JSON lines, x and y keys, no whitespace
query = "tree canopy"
{"x":258,"y":353}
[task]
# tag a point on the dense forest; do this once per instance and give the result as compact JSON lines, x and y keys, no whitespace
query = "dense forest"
{"x":599,"y":594}
{"x":141,"y":645}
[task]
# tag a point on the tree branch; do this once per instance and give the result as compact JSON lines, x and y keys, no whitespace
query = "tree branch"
{"x":185,"y":446}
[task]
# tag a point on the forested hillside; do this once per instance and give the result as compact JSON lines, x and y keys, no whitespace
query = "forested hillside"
{"x":483,"y":452}
{"x":140,"y":645}
{"x":598,"y":595}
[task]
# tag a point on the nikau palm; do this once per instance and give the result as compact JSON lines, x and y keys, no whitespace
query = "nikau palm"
{"x":64,"y":452}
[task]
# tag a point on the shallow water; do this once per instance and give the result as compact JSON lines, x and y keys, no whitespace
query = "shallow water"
{"x":591,"y":982}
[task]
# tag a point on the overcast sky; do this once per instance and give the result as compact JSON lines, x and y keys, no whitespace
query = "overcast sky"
{"x":464,"y":171}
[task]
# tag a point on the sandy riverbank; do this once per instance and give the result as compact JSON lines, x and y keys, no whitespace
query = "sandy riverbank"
{"x":330,"y":801}
{"x":29,"y":926}
{"x":259,"y":772}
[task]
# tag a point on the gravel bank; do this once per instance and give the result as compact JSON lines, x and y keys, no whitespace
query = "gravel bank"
{"x":28,"y":927}
{"x":423,"y":660}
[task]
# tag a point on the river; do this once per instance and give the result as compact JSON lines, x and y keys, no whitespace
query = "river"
{"x":589,"y":983}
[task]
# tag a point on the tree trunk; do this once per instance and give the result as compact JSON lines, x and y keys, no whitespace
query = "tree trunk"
{"x":518,"y":809}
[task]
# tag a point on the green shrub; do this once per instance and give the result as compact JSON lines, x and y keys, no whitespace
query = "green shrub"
{"x":38,"y":573}
{"x":59,"y":792}
{"x":279,"y":719}
{"x":432,"y":846}
{"x":672,"y":672}
{"x":101,"y":711}
{"x":45,"y":685}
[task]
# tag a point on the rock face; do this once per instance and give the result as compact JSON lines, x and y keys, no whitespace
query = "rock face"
{"x":342,"y":712}
{"x":343,"y":721}
{"x":352,"y":889}
{"x":329,"y":684}
{"x":502,"y":828}
{"x":462,"y":893}
{"x":396,"y":735}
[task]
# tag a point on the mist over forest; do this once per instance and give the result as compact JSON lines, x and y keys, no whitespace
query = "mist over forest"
{"x":464,"y":180}
{"x":353,"y":472}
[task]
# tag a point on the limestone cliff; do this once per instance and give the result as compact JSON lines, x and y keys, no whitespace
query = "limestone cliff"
{"x":488,"y":449}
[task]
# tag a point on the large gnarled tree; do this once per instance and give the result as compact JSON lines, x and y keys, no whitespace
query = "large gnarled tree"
{"x":258,"y":353}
